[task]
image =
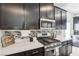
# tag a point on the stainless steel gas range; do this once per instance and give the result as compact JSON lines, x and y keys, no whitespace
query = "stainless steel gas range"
{"x":51,"y":45}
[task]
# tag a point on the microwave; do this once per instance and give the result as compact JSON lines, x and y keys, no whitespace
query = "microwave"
{"x":47,"y":23}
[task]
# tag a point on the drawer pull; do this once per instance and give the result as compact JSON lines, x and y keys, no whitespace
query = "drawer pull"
{"x":35,"y":52}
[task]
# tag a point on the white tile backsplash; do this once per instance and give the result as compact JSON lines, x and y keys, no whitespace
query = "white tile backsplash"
{"x":23,"y":33}
{"x":0,"y":36}
{"x":60,"y":35}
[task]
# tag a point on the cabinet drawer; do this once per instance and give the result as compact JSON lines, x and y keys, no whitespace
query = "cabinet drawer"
{"x":39,"y":54}
{"x":35,"y":51}
{"x":64,"y":43}
{"x":69,"y":41}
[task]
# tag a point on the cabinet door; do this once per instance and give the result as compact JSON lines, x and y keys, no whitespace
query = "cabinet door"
{"x":35,"y":51}
{"x":39,"y":54}
{"x":31,"y":16}
{"x":58,"y":18}
{"x":50,"y":11}
{"x":47,"y":10}
{"x":12,"y":16}
{"x":63,"y":50}
{"x":64,"y":21}
{"x":69,"y":49}
{"x":0,"y":15}
{"x":43,"y":10}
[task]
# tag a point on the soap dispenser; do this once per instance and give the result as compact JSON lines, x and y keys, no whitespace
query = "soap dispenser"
{"x":31,"y":38}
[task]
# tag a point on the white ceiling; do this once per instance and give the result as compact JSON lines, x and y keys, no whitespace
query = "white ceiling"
{"x":71,"y":7}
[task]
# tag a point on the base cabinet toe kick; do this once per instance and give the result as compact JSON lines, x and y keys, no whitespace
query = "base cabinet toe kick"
{"x":34,"y":52}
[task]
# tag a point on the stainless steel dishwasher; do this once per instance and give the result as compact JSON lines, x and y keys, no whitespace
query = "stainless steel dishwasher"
{"x":66,"y":48}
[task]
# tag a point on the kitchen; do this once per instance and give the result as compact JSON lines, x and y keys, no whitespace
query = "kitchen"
{"x":36,"y":29}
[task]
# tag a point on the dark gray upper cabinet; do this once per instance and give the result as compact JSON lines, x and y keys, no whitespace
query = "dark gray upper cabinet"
{"x":50,"y":11}
{"x":64,"y":19}
{"x":32,"y":19}
{"x":12,"y":16}
{"x":27,"y":16}
{"x":43,"y":10}
{"x":19,"y":16}
{"x":58,"y":18}
{"x":0,"y":15}
{"x":47,"y":10}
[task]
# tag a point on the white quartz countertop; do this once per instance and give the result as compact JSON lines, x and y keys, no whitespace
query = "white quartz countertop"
{"x":20,"y":47}
{"x":63,"y":39}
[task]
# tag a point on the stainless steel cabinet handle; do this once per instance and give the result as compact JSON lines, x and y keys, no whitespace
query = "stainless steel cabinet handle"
{"x":35,"y":52}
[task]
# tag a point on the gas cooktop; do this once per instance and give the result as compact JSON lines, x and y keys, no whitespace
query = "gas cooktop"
{"x":47,"y":40}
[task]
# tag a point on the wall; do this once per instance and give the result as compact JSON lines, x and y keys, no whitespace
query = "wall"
{"x":62,"y":34}
{"x":0,"y":36}
{"x":70,"y":20}
{"x":65,"y":34}
{"x":61,"y":5}
{"x":69,"y":30}
{"x":76,"y":15}
{"x":23,"y":32}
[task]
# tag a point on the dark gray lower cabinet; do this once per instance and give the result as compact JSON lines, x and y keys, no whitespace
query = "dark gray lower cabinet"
{"x":63,"y":49}
{"x":69,"y":50}
{"x":66,"y":48}
{"x":34,"y":52}
{"x":39,"y":54}
{"x":18,"y":54}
